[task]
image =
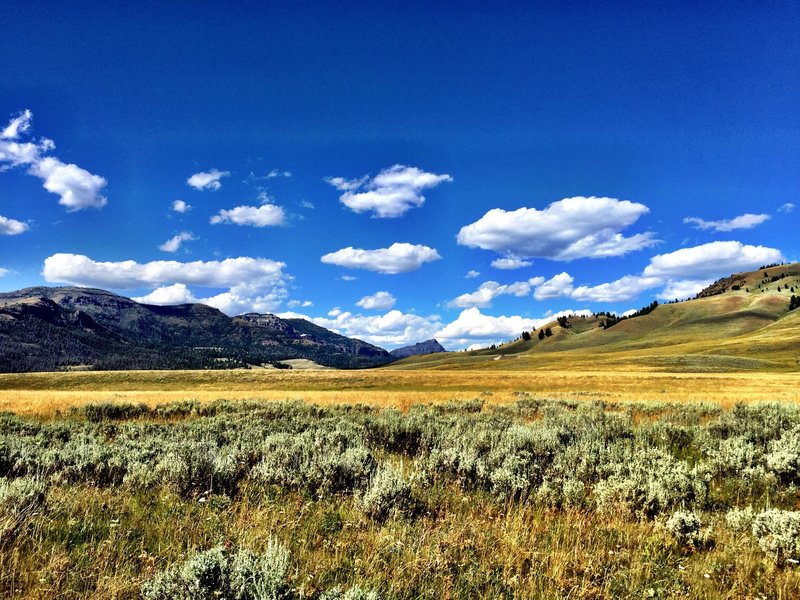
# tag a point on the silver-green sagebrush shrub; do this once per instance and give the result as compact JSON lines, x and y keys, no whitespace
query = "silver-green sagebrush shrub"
{"x":778,"y":534}
{"x":686,"y":527}
{"x":320,"y":462}
{"x":356,"y":592}
{"x":651,"y":482}
{"x":217,"y":573}
{"x":740,"y":519}
{"x":388,"y":491}
{"x":783,"y":457}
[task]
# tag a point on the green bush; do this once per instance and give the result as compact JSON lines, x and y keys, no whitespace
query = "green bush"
{"x":778,"y":534}
{"x":388,"y":491}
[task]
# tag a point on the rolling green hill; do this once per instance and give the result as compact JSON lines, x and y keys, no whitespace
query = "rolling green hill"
{"x":742,"y":322}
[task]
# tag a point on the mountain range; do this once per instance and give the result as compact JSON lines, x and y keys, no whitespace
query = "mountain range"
{"x":46,"y":329}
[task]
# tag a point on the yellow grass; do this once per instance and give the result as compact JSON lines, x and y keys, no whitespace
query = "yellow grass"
{"x":44,"y":393}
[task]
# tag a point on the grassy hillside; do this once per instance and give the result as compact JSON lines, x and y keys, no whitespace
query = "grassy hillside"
{"x":724,"y":329}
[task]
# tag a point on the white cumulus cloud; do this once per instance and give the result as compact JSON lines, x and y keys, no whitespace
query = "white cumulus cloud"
{"x":714,"y":259}
{"x":623,"y":289}
{"x":174,"y":243}
{"x":390,"y":330}
{"x":253,"y":284}
{"x":265,"y":215}
{"x":398,"y":258}
{"x":488,"y":291}
{"x":12,"y":226}
{"x":472,"y":326}
{"x":555,"y":287}
{"x":680,"y":289}
{"x":77,"y":188}
{"x":177,"y":293}
{"x":4,"y":272}
{"x":179,"y":206}
{"x":391,"y":193}
{"x":472,"y":274}
{"x":377,"y":301}
{"x":745,"y":221}
{"x":786,"y":208}
{"x":579,"y":227}
{"x":207,"y":180}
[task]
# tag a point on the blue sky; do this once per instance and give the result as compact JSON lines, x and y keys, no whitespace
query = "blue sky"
{"x":378,"y":167}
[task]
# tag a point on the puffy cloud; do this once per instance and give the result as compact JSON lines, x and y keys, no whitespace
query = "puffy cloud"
{"x":745,"y":221}
{"x":472,"y":325}
{"x":255,"y":216}
{"x":472,"y":274}
{"x":684,"y":288}
{"x":391,"y":193}
{"x":389,"y":330}
{"x":555,"y":287}
{"x":510,"y":263}
{"x":77,"y":188}
{"x":3,"y":272}
{"x":208,"y":180}
{"x":488,"y":291}
{"x":173,"y":244}
{"x":568,"y":229}
{"x":19,"y":124}
{"x":348,"y":278}
{"x":254,"y":284}
{"x":179,"y":206}
{"x":278,"y":173}
{"x":623,"y":289}
{"x":377,"y":301}
{"x":177,"y":293}
{"x":711,"y":260}
{"x":786,"y":208}
{"x":12,"y":226}
{"x":397,"y":258}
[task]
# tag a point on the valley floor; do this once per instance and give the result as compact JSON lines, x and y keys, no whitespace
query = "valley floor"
{"x":45,"y":393}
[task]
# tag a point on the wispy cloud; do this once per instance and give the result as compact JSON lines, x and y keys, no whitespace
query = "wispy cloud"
{"x":786,"y":208}
{"x":174,"y":243}
{"x":745,"y":221}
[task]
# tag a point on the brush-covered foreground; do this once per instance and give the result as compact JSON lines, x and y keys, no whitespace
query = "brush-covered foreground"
{"x":537,"y":499}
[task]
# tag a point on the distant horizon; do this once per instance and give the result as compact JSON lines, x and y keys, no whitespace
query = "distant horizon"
{"x":398,"y":173}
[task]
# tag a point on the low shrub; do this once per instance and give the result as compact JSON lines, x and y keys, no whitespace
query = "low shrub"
{"x":778,"y":534}
{"x":388,"y":492}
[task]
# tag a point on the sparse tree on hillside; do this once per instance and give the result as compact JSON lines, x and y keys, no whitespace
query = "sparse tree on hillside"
{"x":541,"y":334}
{"x":526,"y":336}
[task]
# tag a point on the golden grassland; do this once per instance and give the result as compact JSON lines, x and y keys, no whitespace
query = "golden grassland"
{"x":45,"y":393}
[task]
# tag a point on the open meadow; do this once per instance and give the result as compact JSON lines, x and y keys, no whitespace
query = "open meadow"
{"x":399,"y":484}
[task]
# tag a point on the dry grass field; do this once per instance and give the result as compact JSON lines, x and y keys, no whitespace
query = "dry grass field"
{"x":45,"y":393}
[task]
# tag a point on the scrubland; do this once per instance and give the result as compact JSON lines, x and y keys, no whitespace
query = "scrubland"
{"x":476,"y":498}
